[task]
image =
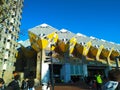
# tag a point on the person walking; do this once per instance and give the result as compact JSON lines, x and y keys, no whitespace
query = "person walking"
{"x":99,"y":81}
{"x":24,"y":85}
{"x":2,"y":86}
{"x":14,"y":84}
{"x":113,"y":82}
{"x":31,"y":84}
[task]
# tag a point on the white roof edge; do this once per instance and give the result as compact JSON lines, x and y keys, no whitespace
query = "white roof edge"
{"x":79,"y":34}
{"x":103,"y":40}
{"x":44,"y":25}
{"x":112,"y":42}
{"x":64,"y":30}
{"x":93,"y":37}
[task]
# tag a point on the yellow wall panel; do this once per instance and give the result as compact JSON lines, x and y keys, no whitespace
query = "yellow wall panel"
{"x":86,"y":48}
{"x":72,"y":44}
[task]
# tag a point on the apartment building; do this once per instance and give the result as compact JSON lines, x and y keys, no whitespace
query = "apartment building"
{"x":10,"y":16}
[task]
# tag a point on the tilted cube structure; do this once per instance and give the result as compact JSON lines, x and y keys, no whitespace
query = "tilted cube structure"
{"x":73,"y":54}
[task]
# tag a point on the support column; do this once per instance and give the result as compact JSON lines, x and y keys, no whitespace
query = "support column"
{"x":45,"y":73}
{"x":40,"y":65}
{"x":38,"y":71}
{"x":42,"y":70}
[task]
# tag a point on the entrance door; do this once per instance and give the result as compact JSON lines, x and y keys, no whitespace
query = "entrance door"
{"x":56,"y":72}
{"x":93,"y":70}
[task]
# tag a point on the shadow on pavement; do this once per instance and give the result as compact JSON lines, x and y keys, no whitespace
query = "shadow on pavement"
{"x":69,"y":86}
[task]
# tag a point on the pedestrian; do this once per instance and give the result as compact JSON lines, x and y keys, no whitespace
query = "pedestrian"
{"x":14,"y":84}
{"x":24,"y":85}
{"x":2,"y":86}
{"x":113,"y":80}
{"x":99,"y":81}
{"x":31,"y":84}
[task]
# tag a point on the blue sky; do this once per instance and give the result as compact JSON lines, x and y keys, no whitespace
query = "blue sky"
{"x":98,"y":18}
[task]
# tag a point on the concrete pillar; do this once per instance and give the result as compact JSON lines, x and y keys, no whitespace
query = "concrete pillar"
{"x":38,"y":71}
{"x":45,"y":76}
{"x":45,"y":73}
{"x":40,"y":61}
{"x":42,"y":70}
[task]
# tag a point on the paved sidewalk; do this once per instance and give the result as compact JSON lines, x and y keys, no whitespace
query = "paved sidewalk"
{"x":75,"y":86}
